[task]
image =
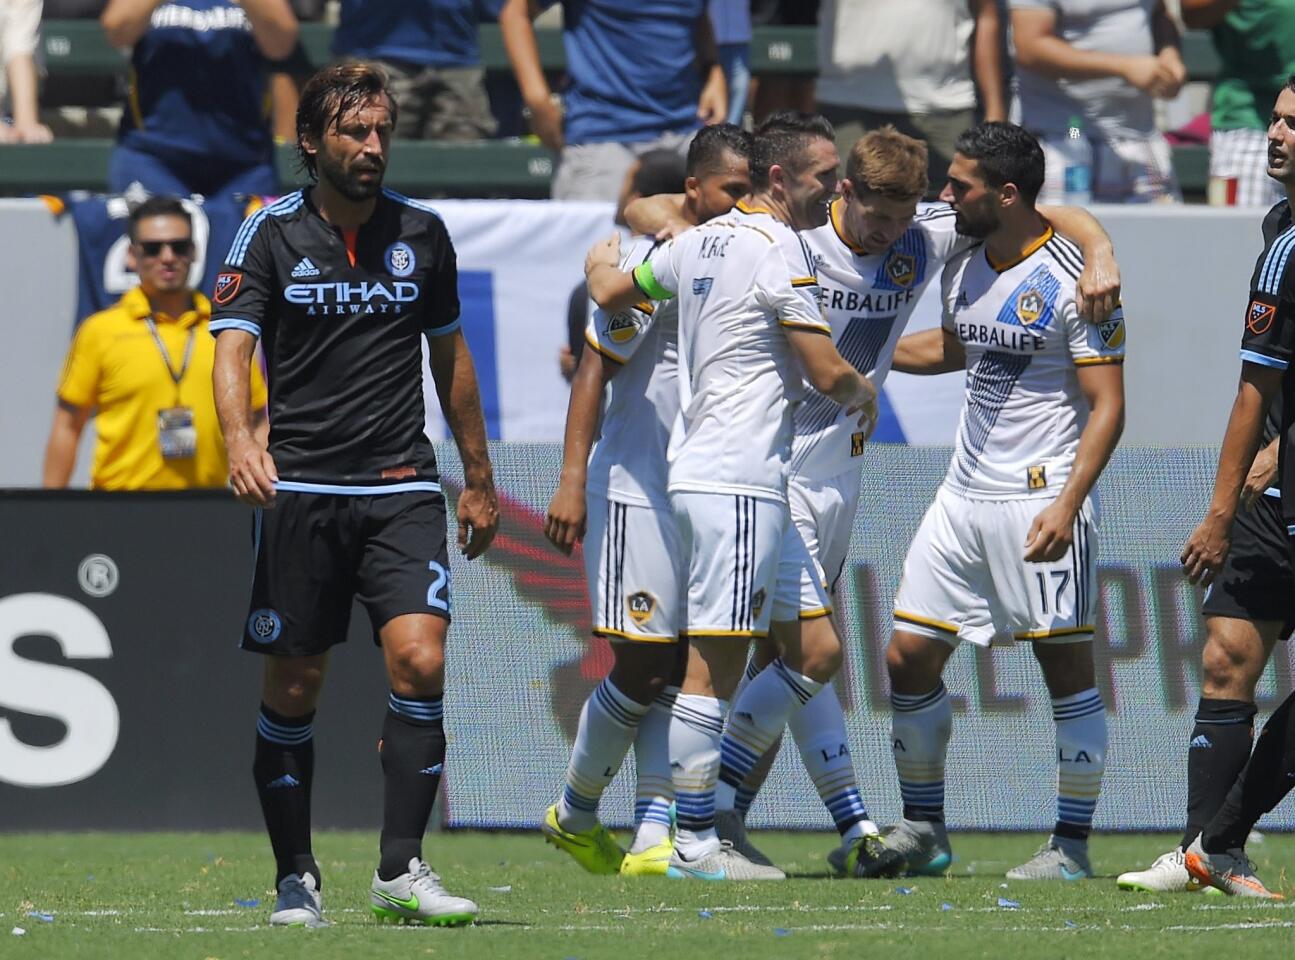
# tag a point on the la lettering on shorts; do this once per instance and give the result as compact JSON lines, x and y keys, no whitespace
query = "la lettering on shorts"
{"x":317,"y":552}
{"x":631,"y":565}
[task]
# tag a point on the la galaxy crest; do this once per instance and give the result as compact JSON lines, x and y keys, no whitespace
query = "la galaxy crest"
{"x":622,"y":327}
{"x":757,"y":603}
{"x":641,"y":606}
{"x":1029,"y":306}
{"x":901,"y":268}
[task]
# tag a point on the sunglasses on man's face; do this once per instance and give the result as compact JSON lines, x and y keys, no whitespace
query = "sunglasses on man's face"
{"x":152,"y":248}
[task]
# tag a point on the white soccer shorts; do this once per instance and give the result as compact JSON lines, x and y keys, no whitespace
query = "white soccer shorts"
{"x":632,"y":567}
{"x":745,"y":564}
{"x":965,"y":579}
{"x":824,"y":515}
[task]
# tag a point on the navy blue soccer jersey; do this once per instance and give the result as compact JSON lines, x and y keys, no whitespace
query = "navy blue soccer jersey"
{"x":1269,"y":338}
{"x":198,"y":87}
{"x":341,"y":321}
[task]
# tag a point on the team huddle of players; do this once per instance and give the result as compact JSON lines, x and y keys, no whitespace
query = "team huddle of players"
{"x":743,"y":358}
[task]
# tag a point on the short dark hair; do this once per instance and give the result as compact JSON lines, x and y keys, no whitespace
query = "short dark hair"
{"x":706,"y":152}
{"x":659,"y":171}
{"x":783,"y":139}
{"x":330,"y":95}
{"x":158,"y":206}
{"x":1290,"y":83}
{"x":1006,"y":154}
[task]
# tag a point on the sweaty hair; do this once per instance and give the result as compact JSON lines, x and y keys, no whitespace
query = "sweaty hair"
{"x":706,"y":152}
{"x":886,"y":162}
{"x":659,"y":171}
{"x":333,"y":93}
{"x":158,"y":206}
{"x":784,"y":139}
{"x":1005,"y":154}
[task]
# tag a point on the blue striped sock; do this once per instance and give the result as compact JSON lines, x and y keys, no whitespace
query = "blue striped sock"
{"x":1081,"y":760}
{"x":607,"y":727}
{"x":920,"y":728}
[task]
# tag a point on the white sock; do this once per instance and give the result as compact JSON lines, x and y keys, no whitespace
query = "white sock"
{"x":920,"y":727}
{"x":1081,"y":759}
{"x":607,"y":725}
{"x":819,"y":729}
{"x":695,"y":728}
{"x":757,"y":720}
{"x":655,"y":789}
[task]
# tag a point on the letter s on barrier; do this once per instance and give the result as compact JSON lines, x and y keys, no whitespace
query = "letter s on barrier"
{"x":77,"y":700}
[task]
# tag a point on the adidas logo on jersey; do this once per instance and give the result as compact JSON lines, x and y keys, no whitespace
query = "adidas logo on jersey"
{"x":304,"y":268}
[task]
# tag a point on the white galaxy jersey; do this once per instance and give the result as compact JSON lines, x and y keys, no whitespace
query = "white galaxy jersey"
{"x":741,"y":279}
{"x":628,"y":461}
{"x":867,"y":299}
{"x":1022,"y":412}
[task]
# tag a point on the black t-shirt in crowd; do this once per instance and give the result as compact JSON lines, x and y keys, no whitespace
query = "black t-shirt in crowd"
{"x":341,"y":320}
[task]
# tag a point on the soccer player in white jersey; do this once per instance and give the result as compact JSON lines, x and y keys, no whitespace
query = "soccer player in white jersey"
{"x":749,"y":321}
{"x":873,"y":259}
{"x":615,"y":500}
{"x":1008,"y":548}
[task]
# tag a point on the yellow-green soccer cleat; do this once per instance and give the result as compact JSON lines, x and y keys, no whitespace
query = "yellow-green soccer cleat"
{"x":596,"y":850}
{"x":652,"y":862}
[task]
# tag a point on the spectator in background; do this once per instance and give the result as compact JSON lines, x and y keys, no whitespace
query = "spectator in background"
{"x":731,"y":21}
{"x":1255,"y":40}
{"x":196,"y":119}
{"x":19,"y":28}
{"x":642,"y":75}
{"x":783,"y":91}
{"x":1101,"y":61}
{"x":657,"y":171}
{"x":430,"y":51}
{"x":142,"y":368}
{"x":877,"y":69}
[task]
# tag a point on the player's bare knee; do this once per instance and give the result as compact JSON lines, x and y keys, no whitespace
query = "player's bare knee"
{"x":643,"y":670}
{"x":914,"y":663}
{"x":290,"y":686}
{"x":1234,"y":657}
{"x":1067,"y":667}
{"x":417,"y":670}
{"x":819,"y":650}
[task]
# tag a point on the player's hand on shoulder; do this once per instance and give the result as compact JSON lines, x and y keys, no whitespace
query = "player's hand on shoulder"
{"x":564,"y":524}
{"x":1050,"y":534}
{"x":1097,"y":293}
{"x":1261,"y":476}
{"x":252,"y":473}
{"x":478,"y":518}
{"x":605,"y":253}
{"x":1205,"y":551}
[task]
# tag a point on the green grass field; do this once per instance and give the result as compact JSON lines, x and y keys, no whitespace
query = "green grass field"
{"x":208,"y":896}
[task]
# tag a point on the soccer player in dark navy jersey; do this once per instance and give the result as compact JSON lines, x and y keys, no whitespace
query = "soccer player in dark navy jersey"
{"x":1217,"y":854}
{"x":342,"y":282}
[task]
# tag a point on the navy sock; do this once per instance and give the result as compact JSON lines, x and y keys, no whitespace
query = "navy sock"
{"x":1216,"y":755}
{"x":284,"y":767}
{"x":1268,"y":776}
{"x":413,"y":756}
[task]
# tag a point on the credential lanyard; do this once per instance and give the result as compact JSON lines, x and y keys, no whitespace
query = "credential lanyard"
{"x":176,"y":376}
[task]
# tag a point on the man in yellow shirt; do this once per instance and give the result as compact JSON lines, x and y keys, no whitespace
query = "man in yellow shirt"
{"x":142,"y":368}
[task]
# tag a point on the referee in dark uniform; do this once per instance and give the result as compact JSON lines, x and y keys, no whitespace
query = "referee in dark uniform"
{"x":1217,"y":855}
{"x":341,"y":282}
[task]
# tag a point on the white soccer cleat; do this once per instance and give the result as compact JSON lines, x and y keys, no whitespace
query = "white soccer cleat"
{"x":1232,"y":872}
{"x":299,"y":903}
{"x":724,"y":864}
{"x":731,"y":827}
{"x":1058,"y":859}
{"x":1167,"y":875}
{"x":418,"y":897}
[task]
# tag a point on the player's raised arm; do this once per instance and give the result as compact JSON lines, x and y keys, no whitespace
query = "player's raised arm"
{"x":1098,"y":289}
{"x":662,"y":215}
